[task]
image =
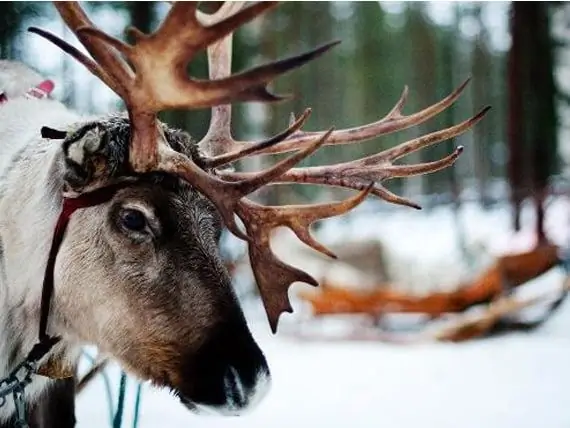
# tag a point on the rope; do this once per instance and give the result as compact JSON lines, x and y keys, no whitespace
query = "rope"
{"x":118,"y":419}
{"x":116,"y":416}
{"x":107,"y":384}
{"x":137,"y":406}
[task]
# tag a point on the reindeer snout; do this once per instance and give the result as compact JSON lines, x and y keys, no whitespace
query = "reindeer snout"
{"x":241,"y":396}
{"x":232,"y":376}
{"x":238,"y":397}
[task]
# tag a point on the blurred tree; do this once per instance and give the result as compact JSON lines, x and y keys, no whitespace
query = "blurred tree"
{"x":532,"y":116}
{"x":447,"y":78}
{"x":13,"y":14}
{"x":516,"y":113}
{"x":542,"y":115}
{"x":141,"y":14}
{"x":481,"y":71}
{"x":421,"y":56}
{"x":371,"y":67}
{"x":375,"y":75}
{"x":196,"y":122}
{"x":293,"y":28}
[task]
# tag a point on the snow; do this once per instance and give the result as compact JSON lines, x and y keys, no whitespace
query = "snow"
{"x":518,"y":381}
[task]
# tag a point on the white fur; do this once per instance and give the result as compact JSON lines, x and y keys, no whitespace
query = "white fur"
{"x":16,"y":78}
{"x":30,"y":186}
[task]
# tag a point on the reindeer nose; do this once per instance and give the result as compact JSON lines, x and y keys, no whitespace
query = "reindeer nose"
{"x":239,"y":397}
{"x":232,"y":376}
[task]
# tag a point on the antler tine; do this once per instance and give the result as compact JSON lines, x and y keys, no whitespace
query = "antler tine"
{"x":91,"y":65}
{"x":218,"y":139}
{"x":255,"y":148}
{"x":218,"y":143}
{"x":357,"y":174}
{"x":108,"y":67}
{"x":273,"y":276}
{"x":161,"y":84}
{"x":114,"y":66}
{"x":392,"y":122}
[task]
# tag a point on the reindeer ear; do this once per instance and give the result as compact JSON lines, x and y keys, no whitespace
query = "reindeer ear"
{"x":52,"y":134}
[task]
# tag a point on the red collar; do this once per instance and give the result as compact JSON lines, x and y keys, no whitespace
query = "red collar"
{"x":70,"y":205}
{"x":40,"y":91}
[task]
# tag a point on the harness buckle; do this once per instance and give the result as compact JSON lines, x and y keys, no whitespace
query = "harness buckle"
{"x":15,"y":383}
{"x":20,"y":405}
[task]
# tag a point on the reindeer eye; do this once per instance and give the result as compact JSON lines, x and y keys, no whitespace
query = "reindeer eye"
{"x":133,"y":220}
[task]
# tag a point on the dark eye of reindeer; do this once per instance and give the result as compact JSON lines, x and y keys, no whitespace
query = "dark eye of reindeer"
{"x":133,"y":220}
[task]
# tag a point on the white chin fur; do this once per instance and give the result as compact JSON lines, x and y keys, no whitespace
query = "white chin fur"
{"x":239,"y":400}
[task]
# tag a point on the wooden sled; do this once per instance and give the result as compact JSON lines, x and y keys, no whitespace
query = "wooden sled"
{"x":493,"y":288}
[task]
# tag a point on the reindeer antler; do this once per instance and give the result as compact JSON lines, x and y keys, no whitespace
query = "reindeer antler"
{"x":153,"y":78}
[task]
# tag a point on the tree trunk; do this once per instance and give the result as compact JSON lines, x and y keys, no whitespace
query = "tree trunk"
{"x":532,"y":111}
{"x":542,"y":112}
{"x":515,"y":115}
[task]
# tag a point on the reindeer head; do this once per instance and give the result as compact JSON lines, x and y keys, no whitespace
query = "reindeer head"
{"x":162,"y":302}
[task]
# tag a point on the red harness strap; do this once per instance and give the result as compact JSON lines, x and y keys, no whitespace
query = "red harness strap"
{"x":70,"y":205}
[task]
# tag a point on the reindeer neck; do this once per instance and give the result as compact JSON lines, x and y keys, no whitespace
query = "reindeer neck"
{"x":30,"y":186}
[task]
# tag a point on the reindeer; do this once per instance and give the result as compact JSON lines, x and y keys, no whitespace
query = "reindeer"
{"x":19,"y":80}
{"x":121,"y":214}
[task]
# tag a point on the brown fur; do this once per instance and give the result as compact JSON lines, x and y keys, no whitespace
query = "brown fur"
{"x":149,"y":307}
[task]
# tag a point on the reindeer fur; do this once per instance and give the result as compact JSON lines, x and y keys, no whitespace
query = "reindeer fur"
{"x":174,"y":325}
{"x":30,"y":187}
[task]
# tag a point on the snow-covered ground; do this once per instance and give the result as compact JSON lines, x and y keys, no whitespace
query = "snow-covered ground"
{"x":518,"y":381}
